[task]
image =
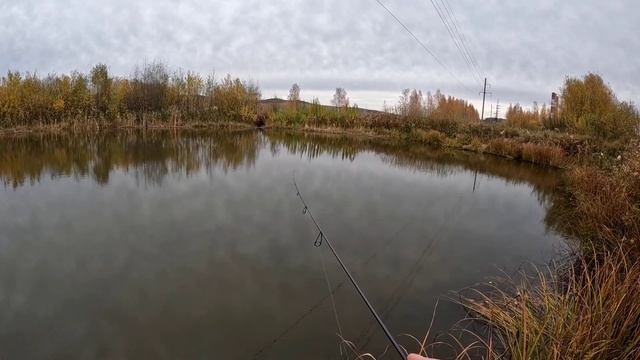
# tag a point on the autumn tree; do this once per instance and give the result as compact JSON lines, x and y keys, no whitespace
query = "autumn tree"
{"x":294,"y":93}
{"x":194,"y":88}
{"x":101,"y":87}
{"x":149,"y":89}
{"x":589,"y":96}
{"x":411,"y":103}
{"x":589,"y":105}
{"x":235,"y":99}
{"x":440,"y":106}
{"x":340,"y":98}
{"x":518,"y":117}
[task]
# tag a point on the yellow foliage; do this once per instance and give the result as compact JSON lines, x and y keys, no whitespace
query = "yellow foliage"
{"x":58,"y":105}
{"x":518,"y":117}
{"x":589,"y":106}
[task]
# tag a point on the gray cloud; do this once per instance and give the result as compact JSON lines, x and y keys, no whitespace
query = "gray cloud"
{"x":525,"y":48}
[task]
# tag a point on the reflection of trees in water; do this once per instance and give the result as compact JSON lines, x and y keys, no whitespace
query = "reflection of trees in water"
{"x":148,"y":155}
{"x":545,"y":182}
{"x":417,"y":157}
{"x":152,"y":155}
{"x":27,"y":158}
{"x":314,"y":146}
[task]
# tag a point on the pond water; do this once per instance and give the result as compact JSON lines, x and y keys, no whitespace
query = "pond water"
{"x":190,"y":245}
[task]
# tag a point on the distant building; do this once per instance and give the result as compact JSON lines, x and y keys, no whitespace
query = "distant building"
{"x":555,"y":105}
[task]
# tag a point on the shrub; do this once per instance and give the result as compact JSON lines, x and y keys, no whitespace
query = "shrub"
{"x":552,"y":122}
{"x":149,"y":89}
{"x":431,"y":137}
{"x":505,"y":147}
{"x":445,"y":125}
{"x":235,"y":99}
{"x":590,"y":106}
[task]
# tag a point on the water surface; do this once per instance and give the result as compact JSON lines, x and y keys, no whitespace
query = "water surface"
{"x":192,"y":245}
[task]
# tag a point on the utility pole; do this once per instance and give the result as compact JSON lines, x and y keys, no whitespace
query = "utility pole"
{"x":484,"y":94}
{"x":497,"y":109}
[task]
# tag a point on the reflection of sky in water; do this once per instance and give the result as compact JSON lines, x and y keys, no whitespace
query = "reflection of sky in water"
{"x":219,"y":262}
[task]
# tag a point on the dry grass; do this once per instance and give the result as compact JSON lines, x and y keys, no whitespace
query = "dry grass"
{"x":589,"y":311}
{"x":548,"y":155}
{"x":505,"y":147}
{"x":430,"y":137}
{"x":542,"y":154}
{"x":606,"y":205}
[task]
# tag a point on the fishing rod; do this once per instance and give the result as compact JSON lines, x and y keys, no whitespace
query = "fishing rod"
{"x":317,"y":305}
{"x":323,"y":238}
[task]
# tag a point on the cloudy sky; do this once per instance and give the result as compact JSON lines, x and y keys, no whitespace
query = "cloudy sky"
{"x":525,"y":48}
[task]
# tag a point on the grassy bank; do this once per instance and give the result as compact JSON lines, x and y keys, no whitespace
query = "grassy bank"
{"x":588,"y":305}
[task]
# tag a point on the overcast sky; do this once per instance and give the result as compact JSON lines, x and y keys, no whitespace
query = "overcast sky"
{"x":525,"y":48}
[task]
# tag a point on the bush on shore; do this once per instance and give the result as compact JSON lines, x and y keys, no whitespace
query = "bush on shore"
{"x":586,"y":106}
{"x":589,"y":105}
{"x":433,"y":138}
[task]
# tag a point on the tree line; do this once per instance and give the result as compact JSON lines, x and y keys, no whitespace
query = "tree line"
{"x":151,"y":93}
{"x":155,"y":94}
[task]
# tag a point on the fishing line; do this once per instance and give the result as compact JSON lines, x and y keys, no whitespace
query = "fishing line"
{"x":322,"y":238}
{"x":263,"y":350}
{"x":298,"y":320}
{"x":333,"y":301}
{"x":398,"y":293}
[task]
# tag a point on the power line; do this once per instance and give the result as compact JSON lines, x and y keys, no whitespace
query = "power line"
{"x":461,"y":35}
{"x":456,"y":41}
{"x":433,"y":55}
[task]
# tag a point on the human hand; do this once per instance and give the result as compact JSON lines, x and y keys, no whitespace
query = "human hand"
{"x":418,"y":357}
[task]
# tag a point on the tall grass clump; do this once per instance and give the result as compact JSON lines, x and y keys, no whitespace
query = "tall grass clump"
{"x":547,"y":155}
{"x":589,"y":310}
{"x":433,"y":138}
{"x":315,"y":115}
{"x":605,"y":205}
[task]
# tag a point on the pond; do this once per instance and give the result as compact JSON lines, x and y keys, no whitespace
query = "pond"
{"x":193,"y":244}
